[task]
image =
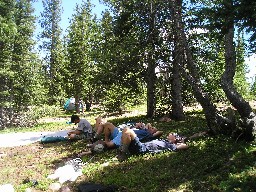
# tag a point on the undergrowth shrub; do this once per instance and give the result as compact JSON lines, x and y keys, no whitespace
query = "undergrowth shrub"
{"x":27,"y":117}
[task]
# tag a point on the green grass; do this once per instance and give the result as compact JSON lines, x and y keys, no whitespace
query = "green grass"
{"x":210,"y":164}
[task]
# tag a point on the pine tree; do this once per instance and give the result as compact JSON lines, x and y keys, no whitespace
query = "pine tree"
{"x":80,"y":42}
{"x":7,"y":33}
{"x":52,"y":48}
{"x":22,"y":56}
{"x":19,"y":66}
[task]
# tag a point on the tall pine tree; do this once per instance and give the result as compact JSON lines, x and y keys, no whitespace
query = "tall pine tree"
{"x":80,"y":41}
{"x":52,"y":48}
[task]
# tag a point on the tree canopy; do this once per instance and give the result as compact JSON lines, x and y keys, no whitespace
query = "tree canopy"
{"x":167,"y":53}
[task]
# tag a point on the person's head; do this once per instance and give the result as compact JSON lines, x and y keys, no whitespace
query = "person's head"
{"x":152,"y":129}
{"x":75,"y":119}
{"x":171,"y":138}
{"x":139,"y":125}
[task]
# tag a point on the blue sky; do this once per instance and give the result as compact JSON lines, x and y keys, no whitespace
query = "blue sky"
{"x":68,"y":10}
{"x":68,"y":7}
{"x":251,"y":62}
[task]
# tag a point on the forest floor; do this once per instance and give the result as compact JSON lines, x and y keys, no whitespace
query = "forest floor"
{"x":210,"y":164}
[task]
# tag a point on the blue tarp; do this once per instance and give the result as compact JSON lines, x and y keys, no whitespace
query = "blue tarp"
{"x":70,"y":104}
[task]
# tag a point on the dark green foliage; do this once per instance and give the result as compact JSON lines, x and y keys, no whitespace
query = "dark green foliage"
{"x":253,"y":87}
{"x":118,"y":77}
{"x":21,"y":72}
{"x":245,"y":14}
{"x":206,"y":42}
{"x":132,"y":20}
{"x":119,"y":99}
{"x":25,"y":62}
{"x":81,"y":41}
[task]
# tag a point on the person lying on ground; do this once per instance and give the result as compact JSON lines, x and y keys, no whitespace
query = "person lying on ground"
{"x":130,"y":144}
{"x":153,"y":130}
{"x":84,"y":129}
{"x":141,"y":125}
{"x":173,"y":142}
{"x":112,"y":134}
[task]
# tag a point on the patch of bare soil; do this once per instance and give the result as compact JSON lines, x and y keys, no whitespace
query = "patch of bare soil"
{"x":34,"y":162}
{"x":15,"y":167}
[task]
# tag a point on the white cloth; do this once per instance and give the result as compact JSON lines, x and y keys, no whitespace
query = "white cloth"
{"x":65,"y":173}
{"x":69,"y":172}
{"x":6,"y":188}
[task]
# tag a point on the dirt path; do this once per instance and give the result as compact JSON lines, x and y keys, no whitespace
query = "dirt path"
{"x":19,"y":139}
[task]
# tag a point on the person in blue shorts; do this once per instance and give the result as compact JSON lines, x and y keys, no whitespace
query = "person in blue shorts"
{"x":130,"y":144}
{"x":113,"y":134}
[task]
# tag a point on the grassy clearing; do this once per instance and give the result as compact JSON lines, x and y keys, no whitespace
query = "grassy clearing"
{"x":210,"y":164}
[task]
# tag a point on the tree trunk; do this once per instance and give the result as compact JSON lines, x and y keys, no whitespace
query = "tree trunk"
{"x":214,"y":120}
{"x":151,"y":80}
{"x":177,"y":112}
{"x":237,"y":101}
{"x":151,"y":76}
{"x":2,"y":122}
{"x":77,"y":103}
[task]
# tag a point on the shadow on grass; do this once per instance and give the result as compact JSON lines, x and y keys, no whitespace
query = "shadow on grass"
{"x":206,"y":166}
{"x":210,"y":164}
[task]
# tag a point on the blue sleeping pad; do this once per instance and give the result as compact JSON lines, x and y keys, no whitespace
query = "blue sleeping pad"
{"x":53,"y":139}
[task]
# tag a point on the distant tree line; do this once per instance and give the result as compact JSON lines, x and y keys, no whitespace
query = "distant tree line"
{"x":170,"y":53}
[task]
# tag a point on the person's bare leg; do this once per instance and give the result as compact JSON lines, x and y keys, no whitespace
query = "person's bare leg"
{"x":196,"y":135}
{"x":182,"y":146}
{"x":148,"y":125}
{"x":99,"y":130}
{"x":127,"y":136}
{"x":99,"y":127}
{"x":85,"y":153}
{"x":107,"y":132}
